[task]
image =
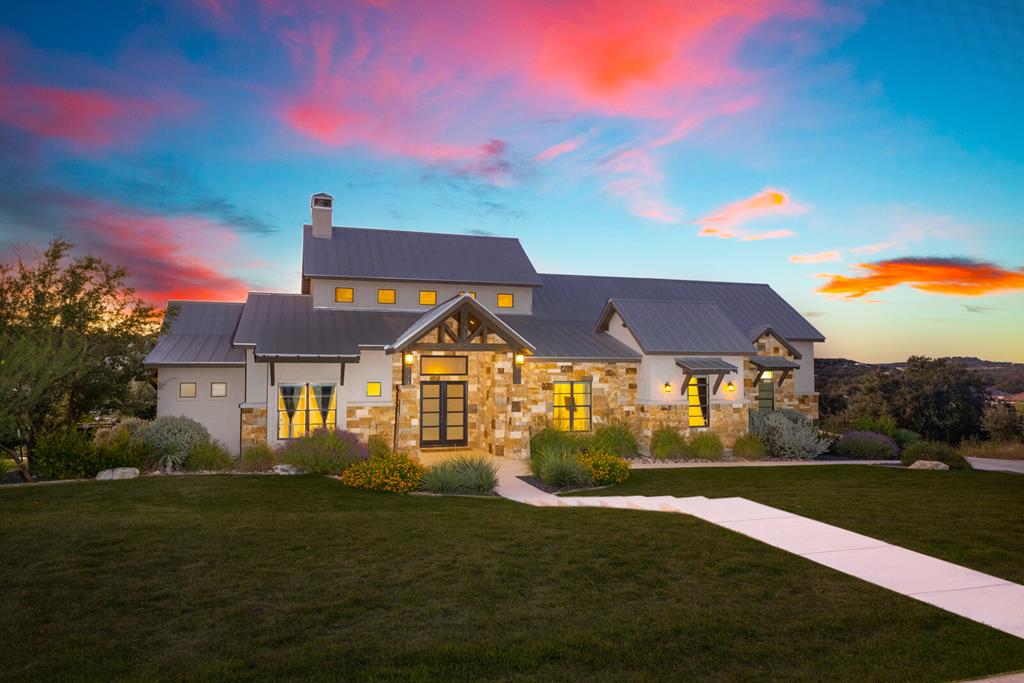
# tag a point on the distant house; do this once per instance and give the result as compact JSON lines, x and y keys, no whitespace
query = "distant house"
{"x":443,"y":340}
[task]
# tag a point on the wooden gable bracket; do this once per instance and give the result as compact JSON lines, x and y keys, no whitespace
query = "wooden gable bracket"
{"x":686,"y":383}
{"x":718,"y":382}
{"x":783,"y":376}
{"x":757,"y":377}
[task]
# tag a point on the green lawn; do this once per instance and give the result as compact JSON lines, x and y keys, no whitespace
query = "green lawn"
{"x":261,"y":577}
{"x":972,"y":518}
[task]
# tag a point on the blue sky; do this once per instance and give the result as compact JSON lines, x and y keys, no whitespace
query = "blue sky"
{"x":864,"y":159}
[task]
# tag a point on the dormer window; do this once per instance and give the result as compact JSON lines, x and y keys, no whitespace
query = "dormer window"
{"x":386,"y":296}
{"x":506,"y":300}
{"x":344,"y":295}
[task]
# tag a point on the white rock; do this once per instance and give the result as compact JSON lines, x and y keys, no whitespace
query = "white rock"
{"x":286,"y":469}
{"x":929,"y":465}
{"x":118,"y":473}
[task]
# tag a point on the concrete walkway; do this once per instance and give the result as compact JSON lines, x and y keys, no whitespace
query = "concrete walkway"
{"x":968,"y":593}
{"x":997,"y":465}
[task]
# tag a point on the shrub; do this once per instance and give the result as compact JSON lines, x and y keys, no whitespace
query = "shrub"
{"x":257,"y":458}
{"x":392,"y":473}
{"x":749,"y":447}
{"x":549,"y":437}
{"x":118,"y":447}
{"x":668,"y":444}
{"x":64,"y":454}
{"x":464,"y":474}
{"x":324,"y":451}
{"x":562,"y":469}
{"x":5,"y":467}
{"x":905,"y":437}
{"x":882,"y":424}
{"x":933,"y":450}
{"x":866,"y":446}
{"x":378,"y":445}
{"x":1003,"y":422}
{"x":604,"y":469}
{"x":615,"y":438}
{"x":784,"y":437}
{"x":706,"y":446}
{"x":172,"y":438}
{"x":209,"y":457}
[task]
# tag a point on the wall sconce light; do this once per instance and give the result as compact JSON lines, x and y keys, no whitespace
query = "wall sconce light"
{"x":517,"y":368}
{"x":730,"y":387}
{"x":520,"y":359}
{"x":408,"y":359}
{"x":407,"y":368}
{"x":668,"y":388}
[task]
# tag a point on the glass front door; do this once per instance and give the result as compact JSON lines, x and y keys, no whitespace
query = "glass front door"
{"x":443,"y":414}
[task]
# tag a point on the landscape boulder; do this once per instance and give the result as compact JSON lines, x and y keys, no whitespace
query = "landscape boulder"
{"x":118,"y":473}
{"x":286,"y":469}
{"x":929,"y":465}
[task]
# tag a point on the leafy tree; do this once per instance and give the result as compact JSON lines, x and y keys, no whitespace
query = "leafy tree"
{"x":1003,"y":422}
{"x":73,"y":336}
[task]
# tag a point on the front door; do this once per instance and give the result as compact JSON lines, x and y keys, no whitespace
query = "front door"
{"x":443,"y":414}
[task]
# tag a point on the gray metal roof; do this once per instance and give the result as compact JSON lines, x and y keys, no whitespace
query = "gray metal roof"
{"x":699,"y":364}
{"x":287,"y":325}
{"x":569,"y":340}
{"x":364,"y":253}
{"x":583,"y":297}
{"x":773,"y":363}
{"x":677,"y":326}
{"x":200,"y":334}
{"x":445,"y":309}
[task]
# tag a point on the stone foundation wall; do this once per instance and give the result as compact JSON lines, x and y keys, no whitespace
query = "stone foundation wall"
{"x":254,"y":425}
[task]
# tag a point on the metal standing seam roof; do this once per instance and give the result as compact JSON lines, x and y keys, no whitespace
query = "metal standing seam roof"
{"x":746,"y":305}
{"x":570,"y":340}
{"x":365,"y":253}
{"x":200,"y":334}
{"x":773,"y":363}
{"x":677,"y":326}
{"x":698,"y":364}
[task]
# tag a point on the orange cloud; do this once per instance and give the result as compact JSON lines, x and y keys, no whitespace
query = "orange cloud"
{"x":956,"y":276}
{"x":820,"y":257}
{"x":769,"y":202}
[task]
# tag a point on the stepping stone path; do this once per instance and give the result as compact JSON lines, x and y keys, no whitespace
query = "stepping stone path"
{"x":968,"y":593}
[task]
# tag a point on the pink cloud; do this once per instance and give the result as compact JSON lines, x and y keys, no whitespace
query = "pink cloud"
{"x":820,"y":257}
{"x":767,"y":235}
{"x":637,"y":179}
{"x":559,"y":149}
{"x":875,"y":248}
{"x":90,"y":118}
{"x":726,"y":222}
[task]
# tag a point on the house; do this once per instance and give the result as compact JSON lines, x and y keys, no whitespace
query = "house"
{"x":443,"y":340}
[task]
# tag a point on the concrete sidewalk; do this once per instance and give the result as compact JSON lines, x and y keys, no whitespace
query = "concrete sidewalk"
{"x":980,"y":597}
{"x":997,"y":465}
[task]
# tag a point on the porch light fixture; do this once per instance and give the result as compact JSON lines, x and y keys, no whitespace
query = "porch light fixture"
{"x":517,"y":368}
{"x":520,"y":359}
{"x":668,"y":388}
{"x":408,"y":359}
{"x":730,"y":387}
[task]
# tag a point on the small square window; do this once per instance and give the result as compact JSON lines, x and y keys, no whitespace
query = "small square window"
{"x":187,"y":390}
{"x":428,"y":297}
{"x":506,"y":301}
{"x":218,"y":389}
{"x":344,"y":295}
{"x":386,"y":296}
{"x":472,"y":294}
{"x":373,"y":388}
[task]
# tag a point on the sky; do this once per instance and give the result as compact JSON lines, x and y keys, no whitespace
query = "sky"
{"x":865,"y":159}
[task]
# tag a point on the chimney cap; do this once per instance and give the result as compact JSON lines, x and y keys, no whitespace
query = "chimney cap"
{"x":321,"y":200}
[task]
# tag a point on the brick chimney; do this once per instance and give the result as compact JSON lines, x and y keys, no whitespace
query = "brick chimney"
{"x":322,"y":205}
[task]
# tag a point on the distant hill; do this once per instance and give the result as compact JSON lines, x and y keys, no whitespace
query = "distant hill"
{"x":1002,"y":375}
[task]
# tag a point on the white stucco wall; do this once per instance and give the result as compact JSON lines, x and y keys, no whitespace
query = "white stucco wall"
{"x":408,"y":295}
{"x":804,"y":375}
{"x":219,"y":415}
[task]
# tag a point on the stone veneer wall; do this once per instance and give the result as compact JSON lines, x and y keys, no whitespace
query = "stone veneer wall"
{"x":785,"y":395}
{"x":254,"y":425}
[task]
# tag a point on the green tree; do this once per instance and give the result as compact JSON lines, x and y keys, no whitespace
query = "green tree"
{"x":73,"y":336}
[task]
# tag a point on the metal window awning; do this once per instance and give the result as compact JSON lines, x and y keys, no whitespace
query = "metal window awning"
{"x":705,"y":365}
{"x":766,"y":363}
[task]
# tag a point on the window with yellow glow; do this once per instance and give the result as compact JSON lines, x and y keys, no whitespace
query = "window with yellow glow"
{"x":428,"y":297}
{"x":344,"y":295}
{"x":187,"y":390}
{"x":386,"y":296}
{"x":218,"y":389}
{"x":373,"y":388}
{"x":472,"y":294}
{"x":444,"y":365}
{"x":304,"y":408}
{"x":506,"y":301}
{"x":572,"y":406}
{"x":697,"y":400}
